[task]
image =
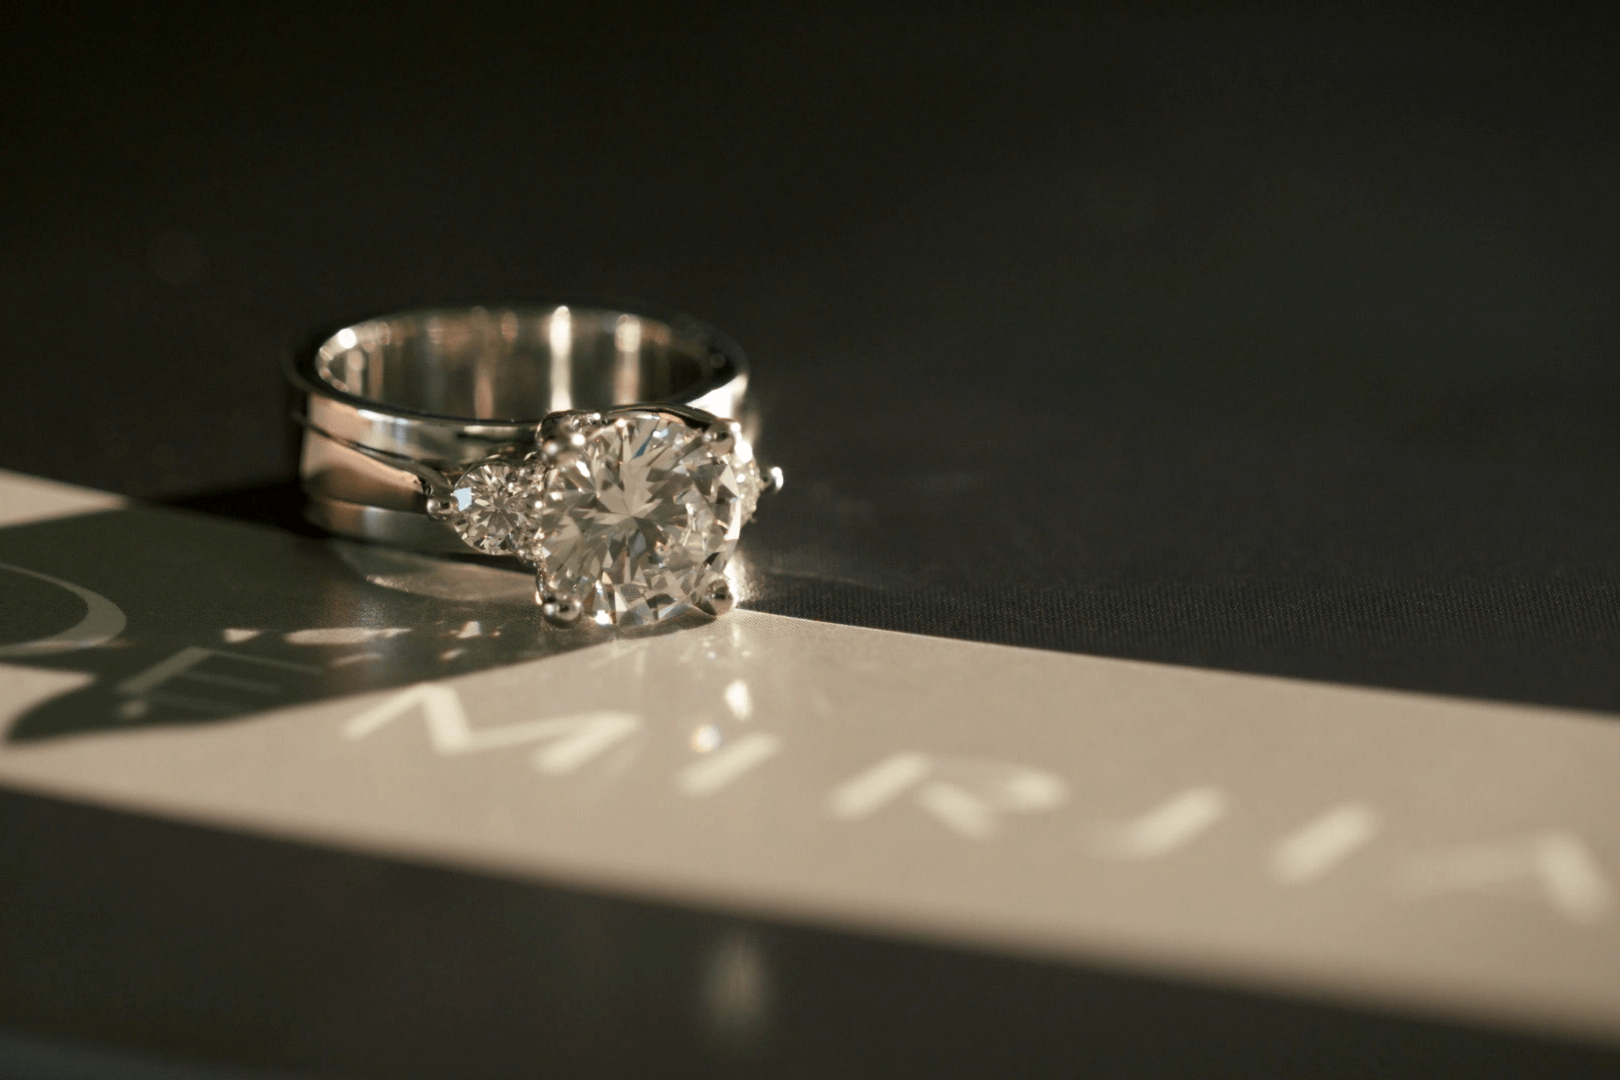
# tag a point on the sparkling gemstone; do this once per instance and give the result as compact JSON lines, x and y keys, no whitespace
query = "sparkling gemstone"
{"x":640,"y":522}
{"x":495,"y":506}
{"x":750,"y":479}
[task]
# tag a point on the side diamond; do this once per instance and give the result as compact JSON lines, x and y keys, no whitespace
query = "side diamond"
{"x":495,"y":506}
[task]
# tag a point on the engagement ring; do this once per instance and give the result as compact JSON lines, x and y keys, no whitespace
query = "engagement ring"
{"x":607,"y":449}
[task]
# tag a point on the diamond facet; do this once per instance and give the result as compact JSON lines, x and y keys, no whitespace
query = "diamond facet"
{"x":495,"y":506}
{"x":639,"y":522}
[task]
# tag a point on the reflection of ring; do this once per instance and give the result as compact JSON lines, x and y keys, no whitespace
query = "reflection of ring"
{"x":596,"y":444}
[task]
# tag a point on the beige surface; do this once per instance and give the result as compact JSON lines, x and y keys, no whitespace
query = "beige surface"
{"x":28,"y":498}
{"x":1452,"y":855}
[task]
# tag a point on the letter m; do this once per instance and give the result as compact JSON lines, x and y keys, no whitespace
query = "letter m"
{"x":565,"y":742}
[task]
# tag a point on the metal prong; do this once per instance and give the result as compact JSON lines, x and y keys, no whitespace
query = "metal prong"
{"x":561,"y":445}
{"x":722,"y":437}
{"x":697,"y":418}
{"x":557,"y":606}
{"x":559,"y":609}
{"x":563,"y":424}
{"x":439,"y":508}
{"x":774,"y":479}
{"x":718,"y":600}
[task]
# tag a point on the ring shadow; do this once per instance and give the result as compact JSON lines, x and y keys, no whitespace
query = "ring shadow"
{"x":233,"y":606}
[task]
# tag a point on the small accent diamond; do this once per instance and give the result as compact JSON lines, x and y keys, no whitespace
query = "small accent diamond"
{"x":495,"y":506}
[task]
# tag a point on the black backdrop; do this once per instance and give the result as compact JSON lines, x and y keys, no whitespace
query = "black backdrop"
{"x":1242,"y":337}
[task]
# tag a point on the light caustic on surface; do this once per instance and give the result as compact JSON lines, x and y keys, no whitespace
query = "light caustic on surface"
{"x":977,"y":799}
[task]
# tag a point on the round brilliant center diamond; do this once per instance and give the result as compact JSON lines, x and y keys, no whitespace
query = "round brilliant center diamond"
{"x":638,"y":524}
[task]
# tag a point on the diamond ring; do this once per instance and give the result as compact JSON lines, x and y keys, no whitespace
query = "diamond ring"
{"x":608,"y":449}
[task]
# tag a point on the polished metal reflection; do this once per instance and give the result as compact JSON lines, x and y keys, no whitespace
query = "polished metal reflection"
{"x":515,"y":365}
{"x":560,"y":332}
{"x":397,"y":402}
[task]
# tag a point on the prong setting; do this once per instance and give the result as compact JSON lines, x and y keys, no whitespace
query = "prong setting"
{"x":560,"y":611}
{"x":557,"y":606}
{"x":718,"y":598}
{"x":561,"y":446}
{"x":723,"y":436}
{"x":563,"y":425}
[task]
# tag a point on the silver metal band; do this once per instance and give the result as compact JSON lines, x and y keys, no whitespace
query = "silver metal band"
{"x":392,"y":405}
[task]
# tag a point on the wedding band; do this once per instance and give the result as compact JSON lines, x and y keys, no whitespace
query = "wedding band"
{"x":610,"y":449}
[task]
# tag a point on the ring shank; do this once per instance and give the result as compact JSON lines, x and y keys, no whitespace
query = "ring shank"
{"x":391,"y":400}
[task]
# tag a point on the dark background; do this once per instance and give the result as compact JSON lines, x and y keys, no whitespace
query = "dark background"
{"x":1249,"y":337}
